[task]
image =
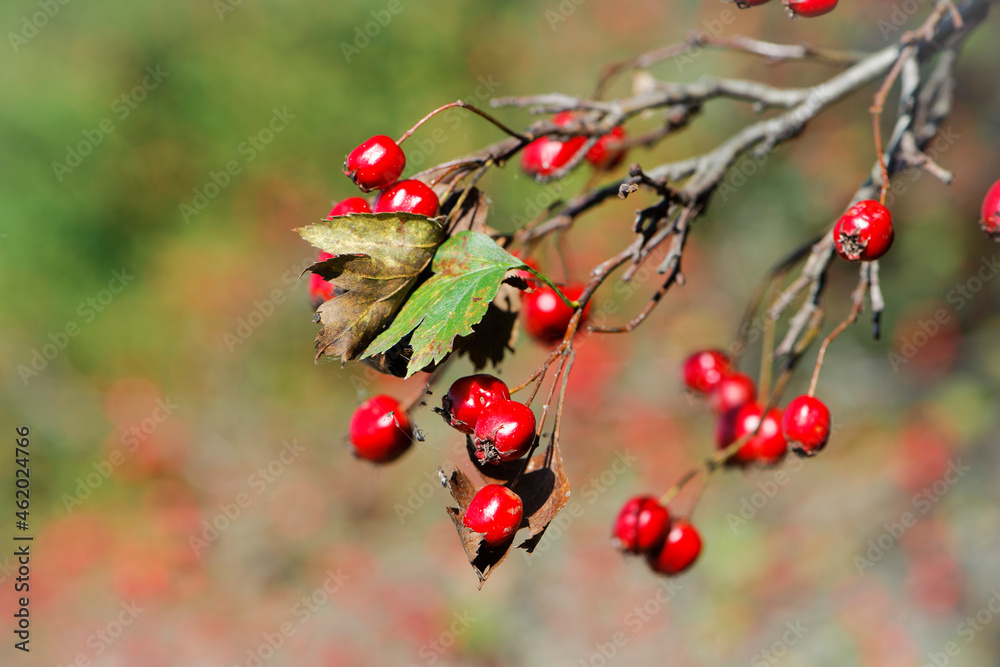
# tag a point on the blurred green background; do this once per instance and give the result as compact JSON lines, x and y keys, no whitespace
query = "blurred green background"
{"x":158,"y":344}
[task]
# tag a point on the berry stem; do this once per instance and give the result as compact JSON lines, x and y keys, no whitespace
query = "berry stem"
{"x":859,"y":301}
{"x":463,"y":105}
{"x":565,"y":299}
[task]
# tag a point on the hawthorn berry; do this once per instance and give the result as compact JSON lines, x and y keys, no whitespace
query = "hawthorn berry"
{"x":680,"y":550}
{"x":864,"y":232}
{"x":642,"y":525}
{"x":350,"y":205}
{"x":321,"y":290}
{"x":606,"y":153}
{"x":496,"y":512}
{"x":705,"y":369}
{"x":810,"y":8}
{"x":545,"y":155}
{"x":380,"y":431}
{"x":545,"y":315}
{"x":733,"y":391}
{"x":806,"y":425}
{"x":768,"y":446}
{"x":409,"y":196}
{"x":990,"y":222}
{"x":467,"y":397}
{"x":504,"y":431}
{"x":375,"y":164}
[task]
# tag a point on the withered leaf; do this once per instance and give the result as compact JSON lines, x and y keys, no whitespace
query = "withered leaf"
{"x":377,"y":259}
{"x":472,"y":216}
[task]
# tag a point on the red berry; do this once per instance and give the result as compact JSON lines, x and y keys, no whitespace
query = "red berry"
{"x":990,"y":221}
{"x":767,"y":447}
{"x":320,"y":290}
{"x":350,"y":205}
{"x":864,"y":232}
{"x":468,"y":396}
{"x":504,"y":431}
{"x":546,"y":317}
{"x":680,"y":550}
{"x":810,"y":8}
{"x":408,"y":196}
{"x":704,"y":370}
{"x":806,"y":425}
{"x":496,"y":512}
{"x":380,"y":430}
{"x":375,"y":164}
{"x":607,"y":153}
{"x":545,"y":155}
{"x":642,"y":525}
{"x":733,"y":391}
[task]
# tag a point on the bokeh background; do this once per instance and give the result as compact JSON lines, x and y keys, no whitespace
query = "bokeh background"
{"x":162,"y":356}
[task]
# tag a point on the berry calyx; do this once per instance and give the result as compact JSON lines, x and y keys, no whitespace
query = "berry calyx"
{"x":375,"y":164}
{"x":496,"y":512}
{"x":810,"y":8}
{"x":545,"y":155}
{"x":607,"y":152}
{"x":409,"y":196}
{"x":504,"y":431}
{"x":990,"y":222}
{"x":704,"y":370}
{"x":864,"y":232}
{"x":468,"y":396}
{"x":642,"y":525}
{"x":767,"y":447}
{"x":679,"y":552}
{"x":350,"y":205}
{"x":546,"y":317}
{"x":806,"y":425}
{"x":321,"y":290}
{"x":380,"y":431}
{"x":733,"y":391}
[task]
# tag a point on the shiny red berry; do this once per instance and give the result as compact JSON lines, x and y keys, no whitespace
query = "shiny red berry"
{"x":408,"y":196}
{"x":496,"y":512}
{"x":380,"y":431}
{"x":607,"y":152}
{"x":733,"y":391}
{"x":810,"y":8}
{"x":680,"y":550}
{"x":642,"y":525}
{"x":375,"y":164}
{"x":704,"y":370}
{"x":990,"y":222}
{"x":545,"y":315}
{"x":350,"y":205}
{"x":767,"y":447}
{"x":504,"y":431}
{"x":545,"y":155}
{"x":864,"y":232}
{"x":320,"y":290}
{"x":806,"y":424}
{"x":467,"y":398}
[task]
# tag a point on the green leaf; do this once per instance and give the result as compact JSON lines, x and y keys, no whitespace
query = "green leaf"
{"x":377,"y":259}
{"x":468,"y":269}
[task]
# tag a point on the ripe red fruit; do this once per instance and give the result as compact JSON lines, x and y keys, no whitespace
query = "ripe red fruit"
{"x":704,"y":370}
{"x":733,"y":391}
{"x":642,"y":525}
{"x":467,"y":398}
{"x":380,"y":431}
{"x":375,"y":164}
{"x":545,"y":155}
{"x":545,"y":315}
{"x":409,"y":196}
{"x":990,"y":221}
{"x":767,"y":447}
{"x":350,"y":205}
{"x":864,"y":232}
{"x":504,"y":431}
{"x":806,"y":424}
{"x":496,"y":512}
{"x":679,"y":552}
{"x":320,"y":290}
{"x":810,"y":8}
{"x":606,"y":153}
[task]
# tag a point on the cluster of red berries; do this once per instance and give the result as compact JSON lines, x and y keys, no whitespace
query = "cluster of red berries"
{"x":807,"y":8}
{"x":644,"y":527}
{"x":545,"y":156}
